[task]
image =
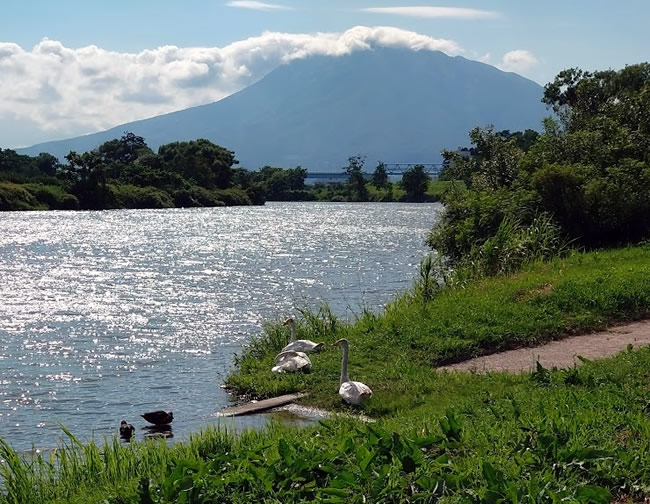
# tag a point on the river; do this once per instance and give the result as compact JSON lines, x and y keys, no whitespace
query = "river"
{"x":106,"y":315}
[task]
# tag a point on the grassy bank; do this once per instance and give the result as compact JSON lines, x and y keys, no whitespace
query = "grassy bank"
{"x":579,"y":435}
{"x":394,"y":352}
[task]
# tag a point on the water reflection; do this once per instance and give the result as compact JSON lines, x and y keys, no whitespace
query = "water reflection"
{"x":109,"y":314}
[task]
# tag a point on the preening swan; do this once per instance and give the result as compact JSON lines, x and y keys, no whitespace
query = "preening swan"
{"x":301,"y":345}
{"x":352,"y":392}
{"x":290,"y":362}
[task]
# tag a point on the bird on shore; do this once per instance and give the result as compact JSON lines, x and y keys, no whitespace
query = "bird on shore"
{"x":158,"y":417}
{"x":126,"y":430}
{"x":290,"y":362}
{"x":301,"y":345}
{"x":352,"y":392}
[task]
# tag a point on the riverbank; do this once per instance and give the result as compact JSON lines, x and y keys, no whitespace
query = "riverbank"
{"x":580,"y":435}
{"x":395,"y":352}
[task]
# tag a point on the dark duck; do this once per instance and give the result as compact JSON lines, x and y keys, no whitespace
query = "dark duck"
{"x":159,"y":417}
{"x":126,"y":430}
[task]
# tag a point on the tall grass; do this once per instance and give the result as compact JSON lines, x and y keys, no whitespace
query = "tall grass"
{"x":512,"y":246}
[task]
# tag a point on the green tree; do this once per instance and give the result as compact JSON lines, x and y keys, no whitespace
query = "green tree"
{"x":296,"y":178}
{"x":415,"y":182}
{"x":125,"y":150}
{"x":87,"y":174}
{"x":523,"y":139}
{"x":356,"y":181}
{"x":200,"y":161}
{"x":47,"y":163}
{"x":493,"y":164}
{"x":380,"y":176}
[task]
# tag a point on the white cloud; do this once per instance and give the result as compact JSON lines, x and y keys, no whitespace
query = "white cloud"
{"x":518,"y":61}
{"x":66,"y":92}
{"x":434,"y":12}
{"x":253,"y":4}
{"x":484,"y":58}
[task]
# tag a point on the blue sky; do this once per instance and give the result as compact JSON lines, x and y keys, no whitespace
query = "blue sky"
{"x":541,"y":37}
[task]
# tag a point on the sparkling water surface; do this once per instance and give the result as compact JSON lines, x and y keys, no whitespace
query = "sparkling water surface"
{"x":106,"y":315}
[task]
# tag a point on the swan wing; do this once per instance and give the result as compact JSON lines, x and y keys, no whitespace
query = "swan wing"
{"x":354,"y":392}
{"x":302,"y":346}
{"x":288,"y":354}
{"x":290,"y":362}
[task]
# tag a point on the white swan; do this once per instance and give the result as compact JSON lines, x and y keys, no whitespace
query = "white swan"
{"x":301,"y":345}
{"x":352,"y":392}
{"x":290,"y":362}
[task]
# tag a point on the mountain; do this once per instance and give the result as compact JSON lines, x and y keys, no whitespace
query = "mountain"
{"x":394,"y":105}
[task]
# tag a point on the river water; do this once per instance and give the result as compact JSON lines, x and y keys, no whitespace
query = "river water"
{"x":106,"y":315}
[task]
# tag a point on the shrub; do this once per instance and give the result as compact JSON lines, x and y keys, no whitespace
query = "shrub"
{"x":205,"y":197}
{"x":130,"y":196}
{"x":17,"y":197}
{"x":53,"y":196}
{"x":233,"y":196}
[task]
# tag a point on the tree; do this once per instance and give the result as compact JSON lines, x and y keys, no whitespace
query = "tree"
{"x":201,"y":161}
{"x":524,"y":140}
{"x":296,"y":178}
{"x":87,"y":174}
{"x":356,"y":182}
{"x":380,"y":176}
{"x":613,"y":106}
{"x":415,"y":182}
{"x":494,"y":164}
{"x":47,"y":163}
{"x":125,"y":150}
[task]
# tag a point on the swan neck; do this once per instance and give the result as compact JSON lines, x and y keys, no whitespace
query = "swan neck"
{"x":344,"y":365}
{"x":293,"y":332}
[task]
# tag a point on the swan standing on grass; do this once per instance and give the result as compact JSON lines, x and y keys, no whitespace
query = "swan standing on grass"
{"x":301,"y":345}
{"x":291,"y":361}
{"x":352,"y":392}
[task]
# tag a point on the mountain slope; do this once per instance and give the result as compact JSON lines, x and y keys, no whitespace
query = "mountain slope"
{"x":388,"y":104}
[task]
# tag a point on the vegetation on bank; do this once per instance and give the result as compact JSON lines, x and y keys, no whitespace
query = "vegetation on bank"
{"x":394,"y":352}
{"x":126,"y":173}
{"x":589,"y":171}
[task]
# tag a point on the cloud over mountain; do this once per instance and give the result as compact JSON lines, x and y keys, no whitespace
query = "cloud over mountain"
{"x":67,"y":91}
{"x":518,"y":61}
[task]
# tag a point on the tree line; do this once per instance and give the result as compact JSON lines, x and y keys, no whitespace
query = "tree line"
{"x":127,"y":173}
{"x":585,"y":180}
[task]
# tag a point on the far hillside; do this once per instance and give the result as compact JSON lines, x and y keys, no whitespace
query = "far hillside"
{"x":394,"y":105}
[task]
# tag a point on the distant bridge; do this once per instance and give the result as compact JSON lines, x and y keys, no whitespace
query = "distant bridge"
{"x":432,"y":169}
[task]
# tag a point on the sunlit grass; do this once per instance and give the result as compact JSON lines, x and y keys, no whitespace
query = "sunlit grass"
{"x":391,"y":350}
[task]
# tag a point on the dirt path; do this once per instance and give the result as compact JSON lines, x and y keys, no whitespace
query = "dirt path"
{"x":562,"y":353}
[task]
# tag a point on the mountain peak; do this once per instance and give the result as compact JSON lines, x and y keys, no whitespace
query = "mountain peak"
{"x":390,"y":104}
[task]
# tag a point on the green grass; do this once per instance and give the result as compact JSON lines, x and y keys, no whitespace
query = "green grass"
{"x":18,"y":197}
{"x":578,"y":435}
{"x":395,"y":352}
